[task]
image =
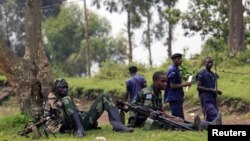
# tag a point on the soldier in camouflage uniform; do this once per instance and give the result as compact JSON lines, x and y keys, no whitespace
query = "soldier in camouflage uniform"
{"x":60,"y":104}
{"x":151,"y":97}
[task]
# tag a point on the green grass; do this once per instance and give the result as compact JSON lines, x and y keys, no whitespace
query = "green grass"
{"x":2,"y":78}
{"x":10,"y":133}
{"x":234,"y":86}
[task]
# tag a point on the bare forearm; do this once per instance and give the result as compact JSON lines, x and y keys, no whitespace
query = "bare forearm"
{"x":201,"y":88}
{"x":176,"y":86}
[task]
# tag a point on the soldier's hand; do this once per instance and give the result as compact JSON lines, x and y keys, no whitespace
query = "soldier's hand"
{"x":153,"y":114}
{"x":219,"y":92}
{"x":187,"y":84}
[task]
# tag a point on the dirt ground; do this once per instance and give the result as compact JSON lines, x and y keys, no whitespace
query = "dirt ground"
{"x":11,"y":107}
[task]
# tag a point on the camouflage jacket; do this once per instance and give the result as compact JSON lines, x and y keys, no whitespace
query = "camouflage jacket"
{"x":149,"y":98}
{"x":53,"y":108}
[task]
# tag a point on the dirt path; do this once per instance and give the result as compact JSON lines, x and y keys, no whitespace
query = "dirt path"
{"x":11,"y":107}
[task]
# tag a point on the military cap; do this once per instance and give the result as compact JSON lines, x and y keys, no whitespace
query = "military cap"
{"x":176,"y":55}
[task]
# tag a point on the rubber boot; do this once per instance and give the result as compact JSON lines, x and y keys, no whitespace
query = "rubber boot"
{"x":197,"y":123}
{"x":78,"y":127}
{"x":115,"y":121}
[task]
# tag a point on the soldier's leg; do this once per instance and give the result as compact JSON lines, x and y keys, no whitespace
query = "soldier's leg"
{"x":100,"y":104}
{"x":211,"y":111}
{"x":176,"y":108}
{"x":104,"y":102}
{"x":71,"y":112}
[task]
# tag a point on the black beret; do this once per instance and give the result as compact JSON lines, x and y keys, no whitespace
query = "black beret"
{"x":176,"y":55}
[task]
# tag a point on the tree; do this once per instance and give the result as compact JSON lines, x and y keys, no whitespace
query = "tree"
{"x":86,"y":39}
{"x":172,"y":16}
{"x":65,"y":44}
{"x":133,"y":19}
{"x":12,"y":17}
{"x":21,"y":72}
{"x":144,"y":8}
{"x":221,"y":19}
{"x":209,"y":17}
{"x":236,"y":39}
{"x":169,"y":17}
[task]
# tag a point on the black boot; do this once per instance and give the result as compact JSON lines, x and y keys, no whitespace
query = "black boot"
{"x":197,"y":123}
{"x":115,"y":121}
{"x":78,"y":127}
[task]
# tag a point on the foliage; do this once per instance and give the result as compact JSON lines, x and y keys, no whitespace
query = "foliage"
{"x":66,"y":43}
{"x":12,"y":17}
{"x":207,"y":16}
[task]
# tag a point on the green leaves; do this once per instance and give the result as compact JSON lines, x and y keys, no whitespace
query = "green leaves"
{"x":66,"y":41}
{"x":208,"y":16}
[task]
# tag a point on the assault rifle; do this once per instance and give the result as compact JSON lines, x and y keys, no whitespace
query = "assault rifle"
{"x":145,"y":111}
{"x":33,"y":127}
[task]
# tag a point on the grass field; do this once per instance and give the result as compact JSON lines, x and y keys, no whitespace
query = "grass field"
{"x":233,"y":85}
{"x":9,"y":127}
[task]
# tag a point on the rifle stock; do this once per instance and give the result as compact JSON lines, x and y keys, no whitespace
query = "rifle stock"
{"x":29,"y":128}
{"x":145,"y":111}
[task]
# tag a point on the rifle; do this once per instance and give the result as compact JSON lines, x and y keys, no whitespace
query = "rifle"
{"x":145,"y":111}
{"x":33,"y":127}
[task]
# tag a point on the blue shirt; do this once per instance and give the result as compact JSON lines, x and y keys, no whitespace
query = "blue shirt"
{"x":134,"y":84}
{"x":173,"y":76}
{"x":206,"y":79}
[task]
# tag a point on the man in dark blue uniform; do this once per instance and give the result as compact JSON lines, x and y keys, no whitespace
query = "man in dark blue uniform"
{"x":206,"y":85}
{"x":174,"y":92}
{"x":134,"y":84}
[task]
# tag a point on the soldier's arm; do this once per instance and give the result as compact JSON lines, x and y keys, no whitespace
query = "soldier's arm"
{"x":200,"y":86}
{"x":144,"y":83}
{"x":48,"y":106}
{"x":173,"y":81}
{"x":177,"y":86}
{"x":138,"y":101}
{"x":127,"y":92}
{"x":176,"y":119}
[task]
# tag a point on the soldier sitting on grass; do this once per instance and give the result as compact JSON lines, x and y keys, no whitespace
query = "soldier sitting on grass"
{"x":60,"y":103}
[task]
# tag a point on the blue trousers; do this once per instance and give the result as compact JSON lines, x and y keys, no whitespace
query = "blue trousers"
{"x":209,"y":105}
{"x":210,"y":110}
{"x":176,"y":108}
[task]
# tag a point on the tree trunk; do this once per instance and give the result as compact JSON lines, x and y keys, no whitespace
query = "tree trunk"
{"x":130,"y":48}
{"x":148,"y":37}
{"x":236,"y":40}
{"x":170,"y":33}
{"x":22,"y":72}
{"x":169,"y":40}
{"x":88,"y":66}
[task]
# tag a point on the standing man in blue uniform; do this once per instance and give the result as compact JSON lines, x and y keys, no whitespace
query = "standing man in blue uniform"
{"x":206,"y":85}
{"x":174,"y":92}
{"x":134,"y":84}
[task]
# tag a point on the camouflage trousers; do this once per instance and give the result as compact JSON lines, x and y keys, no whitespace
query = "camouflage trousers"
{"x":90,"y":117}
